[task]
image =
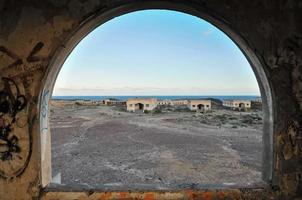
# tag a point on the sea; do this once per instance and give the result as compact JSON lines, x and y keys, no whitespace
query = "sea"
{"x":123,"y":98}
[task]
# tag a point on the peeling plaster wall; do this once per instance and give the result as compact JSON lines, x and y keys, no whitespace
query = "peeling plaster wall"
{"x":32,"y":31}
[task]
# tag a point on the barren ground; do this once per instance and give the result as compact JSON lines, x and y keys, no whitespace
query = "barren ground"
{"x":94,"y":145}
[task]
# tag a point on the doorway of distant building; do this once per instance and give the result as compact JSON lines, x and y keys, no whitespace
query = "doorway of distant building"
{"x":139,"y":106}
{"x":200,"y":107}
{"x":242,"y":105}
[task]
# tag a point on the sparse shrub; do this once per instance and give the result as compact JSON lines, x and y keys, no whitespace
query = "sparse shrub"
{"x":146,"y":111}
{"x":221,"y":118}
{"x":249,"y":119}
{"x":157,"y":110}
{"x":182,"y":109}
{"x":204,"y":121}
{"x":120,"y":108}
{"x":77,"y":103}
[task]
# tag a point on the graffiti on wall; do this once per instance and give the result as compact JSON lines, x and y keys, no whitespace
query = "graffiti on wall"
{"x":15,"y":140}
{"x":23,"y":65}
{"x":17,"y":70}
{"x":44,"y":112}
{"x":44,"y":123}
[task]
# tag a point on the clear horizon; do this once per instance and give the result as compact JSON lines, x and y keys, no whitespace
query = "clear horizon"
{"x":156,"y":53}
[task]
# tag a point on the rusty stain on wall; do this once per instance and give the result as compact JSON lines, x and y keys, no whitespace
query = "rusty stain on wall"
{"x":289,"y":152}
{"x":234,"y":194}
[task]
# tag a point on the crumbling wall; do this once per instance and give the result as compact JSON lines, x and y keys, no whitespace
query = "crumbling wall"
{"x":32,"y":32}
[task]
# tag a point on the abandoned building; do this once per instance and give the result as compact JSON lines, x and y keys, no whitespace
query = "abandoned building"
{"x":166,"y":102}
{"x":86,"y":102}
{"x":37,"y":36}
{"x":113,"y":102}
{"x":141,"y":104}
{"x":179,"y":102}
{"x":199,"y":105}
{"x":256,"y":105}
{"x":173,"y":102}
{"x":236,"y":104}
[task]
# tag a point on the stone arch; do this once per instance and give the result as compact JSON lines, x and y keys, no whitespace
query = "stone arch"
{"x":101,"y":17}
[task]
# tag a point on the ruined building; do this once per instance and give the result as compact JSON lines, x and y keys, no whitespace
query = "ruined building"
{"x":199,"y":105}
{"x":236,"y":104}
{"x":141,"y":104}
{"x":37,"y":36}
{"x":113,"y":102}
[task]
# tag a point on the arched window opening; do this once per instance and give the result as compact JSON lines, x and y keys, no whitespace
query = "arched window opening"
{"x":156,"y":97}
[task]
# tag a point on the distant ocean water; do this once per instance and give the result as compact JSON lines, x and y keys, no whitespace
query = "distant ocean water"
{"x":221,"y":97}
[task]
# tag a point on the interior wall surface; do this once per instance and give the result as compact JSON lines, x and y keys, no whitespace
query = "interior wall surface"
{"x":37,"y":36}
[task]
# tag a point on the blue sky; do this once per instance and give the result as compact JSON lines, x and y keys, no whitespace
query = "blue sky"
{"x":156,"y":52}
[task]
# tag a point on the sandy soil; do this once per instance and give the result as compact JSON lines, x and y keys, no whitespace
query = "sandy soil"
{"x":94,"y":145}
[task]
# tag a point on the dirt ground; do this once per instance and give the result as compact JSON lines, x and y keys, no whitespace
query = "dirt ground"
{"x":93,"y":145}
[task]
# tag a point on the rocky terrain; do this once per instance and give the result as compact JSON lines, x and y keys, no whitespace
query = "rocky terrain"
{"x":103,"y":145}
